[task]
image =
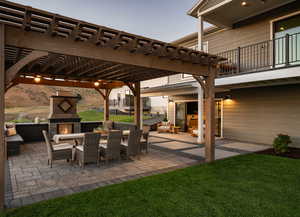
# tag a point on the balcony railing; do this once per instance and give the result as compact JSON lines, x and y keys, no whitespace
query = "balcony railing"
{"x":267,"y":55}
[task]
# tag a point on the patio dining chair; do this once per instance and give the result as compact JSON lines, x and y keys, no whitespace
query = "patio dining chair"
{"x":110,"y":149}
{"x":88,"y":151}
{"x":131,"y":146}
{"x":62,"y":151}
{"x":144,"y":143}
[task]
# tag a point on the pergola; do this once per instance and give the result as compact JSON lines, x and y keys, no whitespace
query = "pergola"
{"x":38,"y":47}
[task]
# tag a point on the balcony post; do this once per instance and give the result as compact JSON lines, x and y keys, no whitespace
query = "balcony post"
{"x":287,"y":49}
{"x":200,"y":33}
{"x":238,"y":60}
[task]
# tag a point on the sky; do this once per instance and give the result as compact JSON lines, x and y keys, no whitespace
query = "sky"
{"x":164,"y":20}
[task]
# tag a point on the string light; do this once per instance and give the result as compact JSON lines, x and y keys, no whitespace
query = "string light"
{"x":244,"y":3}
{"x":37,"y":79}
{"x":96,"y":84}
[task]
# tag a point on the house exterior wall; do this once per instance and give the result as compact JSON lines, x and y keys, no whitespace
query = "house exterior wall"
{"x":259,"y":114}
{"x":230,"y":39}
{"x":158,"y":104}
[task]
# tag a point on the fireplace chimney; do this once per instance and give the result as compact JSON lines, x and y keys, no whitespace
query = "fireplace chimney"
{"x":63,"y":117}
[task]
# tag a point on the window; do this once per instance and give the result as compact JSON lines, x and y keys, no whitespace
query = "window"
{"x":290,"y":26}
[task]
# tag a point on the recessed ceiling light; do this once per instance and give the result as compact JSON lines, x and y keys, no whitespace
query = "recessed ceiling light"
{"x":244,"y":3}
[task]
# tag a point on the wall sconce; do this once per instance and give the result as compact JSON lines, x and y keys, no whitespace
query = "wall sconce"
{"x":228,"y":97}
{"x":171,"y":100}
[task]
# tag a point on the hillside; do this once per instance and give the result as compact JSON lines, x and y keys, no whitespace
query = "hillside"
{"x":29,"y":101}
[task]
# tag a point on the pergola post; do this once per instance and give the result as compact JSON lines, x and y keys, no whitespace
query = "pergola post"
{"x":106,"y":104}
{"x":105,"y":96}
{"x":137,"y":104}
{"x":2,"y":136}
{"x":210,"y":117}
{"x":208,"y":85}
{"x":200,"y":138}
{"x":142,"y":113}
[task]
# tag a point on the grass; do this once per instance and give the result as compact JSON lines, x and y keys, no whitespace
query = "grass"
{"x":22,"y":120}
{"x":242,"y":186}
{"x":93,"y":115}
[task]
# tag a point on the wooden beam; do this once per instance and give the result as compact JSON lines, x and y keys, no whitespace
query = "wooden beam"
{"x":137,"y":105}
{"x":210,"y":124}
{"x":105,"y":94}
{"x":36,"y":41}
{"x":2,"y":120}
{"x":131,"y":87}
{"x":201,"y":81}
{"x":48,"y":82}
{"x":12,"y":72}
{"x":51,"y":60}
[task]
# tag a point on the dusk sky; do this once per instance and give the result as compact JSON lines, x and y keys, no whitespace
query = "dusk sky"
{"x":164,"y":20}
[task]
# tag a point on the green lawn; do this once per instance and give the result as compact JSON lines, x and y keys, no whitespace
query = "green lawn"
{"x":251,"y":185}
{"x":92,"y":115}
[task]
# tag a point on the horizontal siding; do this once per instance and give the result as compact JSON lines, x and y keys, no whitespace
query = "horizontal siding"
{"x":225,"y":40}
{"x":259,"y":114}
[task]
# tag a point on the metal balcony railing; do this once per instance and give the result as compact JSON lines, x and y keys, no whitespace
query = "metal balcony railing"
{"x":267,"y":55}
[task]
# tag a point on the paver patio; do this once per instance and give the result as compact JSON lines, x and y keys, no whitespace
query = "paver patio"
{"x":31,"y":180}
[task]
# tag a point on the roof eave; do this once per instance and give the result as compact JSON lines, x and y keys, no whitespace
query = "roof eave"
{"x":193,"y":11}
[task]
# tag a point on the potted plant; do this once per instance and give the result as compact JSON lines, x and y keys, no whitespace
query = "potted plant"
{"x":281,"y":143}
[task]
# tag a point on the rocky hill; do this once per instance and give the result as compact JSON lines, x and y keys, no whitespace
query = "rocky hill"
{"x":29,"y":100}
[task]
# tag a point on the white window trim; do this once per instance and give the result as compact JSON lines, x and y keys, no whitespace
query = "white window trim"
{"x":278,"y":19}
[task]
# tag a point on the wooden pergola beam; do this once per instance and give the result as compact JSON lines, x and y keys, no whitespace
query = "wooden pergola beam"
{"x":37,"y":41}
{"x":12,"y":72}
{"x":48,"y":82}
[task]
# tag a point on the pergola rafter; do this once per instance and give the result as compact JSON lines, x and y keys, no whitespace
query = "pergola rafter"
{"x":65,"y":51}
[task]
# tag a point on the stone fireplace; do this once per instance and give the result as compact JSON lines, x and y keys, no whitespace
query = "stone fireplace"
{"x":63,"y":117}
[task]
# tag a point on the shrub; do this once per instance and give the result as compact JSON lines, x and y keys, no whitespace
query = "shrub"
{"x":281,"y":143}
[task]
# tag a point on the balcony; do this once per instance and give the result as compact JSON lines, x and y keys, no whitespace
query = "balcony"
{"x":268,"y":55}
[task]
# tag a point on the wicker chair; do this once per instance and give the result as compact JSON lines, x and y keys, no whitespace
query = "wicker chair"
{"x":110,"y":149}
{"x":88,"y":152}
{"x":61,"y":151}
{"x":144,"y":143}
{"x":131,"y":147}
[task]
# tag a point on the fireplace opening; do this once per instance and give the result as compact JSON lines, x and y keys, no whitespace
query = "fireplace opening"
{"x":65,"y":128}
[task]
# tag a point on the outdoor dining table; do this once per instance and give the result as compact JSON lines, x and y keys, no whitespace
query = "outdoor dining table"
{"x":79,"y":136}
{"x":72,"y":136}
